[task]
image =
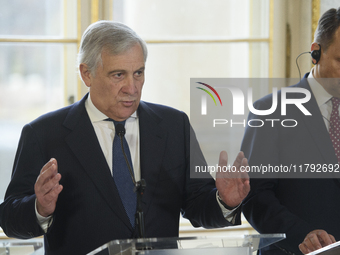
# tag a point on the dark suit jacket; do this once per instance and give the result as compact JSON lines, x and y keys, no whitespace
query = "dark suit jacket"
{"x":291,"y":206}
{"x":89,"y":211}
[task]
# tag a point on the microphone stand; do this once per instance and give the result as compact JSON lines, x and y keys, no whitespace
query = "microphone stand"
{"x":139,"y":216}
{"x":138,"y":189}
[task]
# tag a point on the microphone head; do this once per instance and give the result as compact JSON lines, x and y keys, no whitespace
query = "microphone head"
{"x":120,"y":130}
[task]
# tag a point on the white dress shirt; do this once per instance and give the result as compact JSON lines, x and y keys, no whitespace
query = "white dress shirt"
{"x":105,"y":131}
{"x":323,"y":98}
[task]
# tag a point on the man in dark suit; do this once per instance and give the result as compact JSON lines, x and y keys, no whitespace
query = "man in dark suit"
{"x":62,"y":185}
{"x":305,"y":209}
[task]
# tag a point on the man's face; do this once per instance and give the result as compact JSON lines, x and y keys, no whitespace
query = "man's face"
{"x":117,"y":85}
{"x":327,"y":71}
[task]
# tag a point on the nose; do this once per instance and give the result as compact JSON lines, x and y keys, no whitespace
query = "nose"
{"x":130,"y":86}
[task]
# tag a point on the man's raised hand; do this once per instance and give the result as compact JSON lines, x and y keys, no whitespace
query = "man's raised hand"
{"x":47,"y":188}
{"x":233,"y":186}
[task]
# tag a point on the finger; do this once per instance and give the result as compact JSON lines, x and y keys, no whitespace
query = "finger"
{"x":49,"y":170}
{"x":244,"y":174}
{"x":244,"y":162}
{"x":45,"y":177}
{"x":54,"y":168}
{"x":55,"y":163}
{"x":332,"y":238}
{"x":324,"y":238}
{"x":48,"y":165}
{"x":53,"y":194}
{"x":304,"y":249}
{"x":239,"y":158}
{"x":222,"y":162}
{"x":50,"y":199}
{"x":313,"y":242}
{"x":223,"y":159}
{"x":48,"y":186}
{"x":245,"y":189}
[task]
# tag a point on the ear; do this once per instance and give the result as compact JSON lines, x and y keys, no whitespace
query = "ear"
{"x":314,"y":46}
{"x":85,"y":74}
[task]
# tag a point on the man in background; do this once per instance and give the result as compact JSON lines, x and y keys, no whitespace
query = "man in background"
{"x":70,"y":181}
{"x":304,"y":209}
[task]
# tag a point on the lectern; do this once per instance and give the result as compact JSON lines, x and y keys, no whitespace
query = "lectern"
{"x":240,"y":245}
{"x":22,"y":247}
{"x":332,"y":249}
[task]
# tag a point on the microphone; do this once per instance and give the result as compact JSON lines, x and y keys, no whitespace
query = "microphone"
{"x":120,"y":131}
{"x":139,"y":186}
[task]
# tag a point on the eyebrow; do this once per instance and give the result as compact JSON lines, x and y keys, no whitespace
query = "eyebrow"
{"x":122,"y":70}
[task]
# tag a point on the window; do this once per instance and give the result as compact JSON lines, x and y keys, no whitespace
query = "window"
{"x":38,"y":49}
{"x":189,"y":38}
{"x":200,"y":39}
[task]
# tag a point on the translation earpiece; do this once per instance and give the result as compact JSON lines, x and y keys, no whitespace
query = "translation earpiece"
{"x":316,"y":54}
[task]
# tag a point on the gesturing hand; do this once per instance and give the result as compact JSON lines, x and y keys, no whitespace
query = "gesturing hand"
{"x":47,"y":188}
{"x":233,"y":186}
{"x":315,"y":240}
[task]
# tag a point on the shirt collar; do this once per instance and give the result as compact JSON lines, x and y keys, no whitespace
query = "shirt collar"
{"x":320,"y":94}
{"x":95,"y":115}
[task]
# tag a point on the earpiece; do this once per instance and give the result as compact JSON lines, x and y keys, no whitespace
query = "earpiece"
{"x":316,"y":54}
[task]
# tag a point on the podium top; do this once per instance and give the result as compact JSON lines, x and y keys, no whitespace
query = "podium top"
{"x":21,"y":247}
{"x":332,"y":249}
{"x":189,"y":245}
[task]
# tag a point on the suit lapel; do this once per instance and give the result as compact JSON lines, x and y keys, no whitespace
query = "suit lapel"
{"x":85,"y":146}
{"x":316,"y":127}
{"x":152,"y":147}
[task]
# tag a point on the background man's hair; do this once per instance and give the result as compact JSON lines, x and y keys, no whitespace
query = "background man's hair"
{"x":328,"y":24}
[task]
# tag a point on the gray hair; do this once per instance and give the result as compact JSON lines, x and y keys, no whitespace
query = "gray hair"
{"x":111,"y":36}
{"x":327,"y":26}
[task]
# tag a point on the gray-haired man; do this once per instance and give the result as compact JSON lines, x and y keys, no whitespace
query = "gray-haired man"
{"x":65,"y":185}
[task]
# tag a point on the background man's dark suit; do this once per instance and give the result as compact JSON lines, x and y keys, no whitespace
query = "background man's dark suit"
{"x":291,"y":206}
{"x":89,"y":212}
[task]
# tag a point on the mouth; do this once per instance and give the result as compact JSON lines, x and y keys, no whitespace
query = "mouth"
{"x":128,"y":103}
